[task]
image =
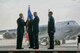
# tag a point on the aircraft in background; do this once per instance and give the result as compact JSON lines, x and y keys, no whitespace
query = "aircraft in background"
{"x":65,"y":30}
{"x":8,"y":34}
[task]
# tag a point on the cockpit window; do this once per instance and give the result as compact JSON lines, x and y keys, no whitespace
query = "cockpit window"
{"x":65,"y":23}
{"x":71,"y":23}
{"x":68,"y":23}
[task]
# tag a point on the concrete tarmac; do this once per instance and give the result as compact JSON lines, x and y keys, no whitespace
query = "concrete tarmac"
{"x":10,"y":45}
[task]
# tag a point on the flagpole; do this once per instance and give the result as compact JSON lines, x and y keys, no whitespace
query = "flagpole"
{"x":48,"y":10}
{"x":27,"y":25}
{"x":28,"y":9}
{"x":28,"y":6}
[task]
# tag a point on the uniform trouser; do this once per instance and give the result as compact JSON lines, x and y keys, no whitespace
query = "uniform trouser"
{"x":31,"y":40}
{"x":36,"y":42}
{"x":51,"y":40}
{"x":19,"y":40}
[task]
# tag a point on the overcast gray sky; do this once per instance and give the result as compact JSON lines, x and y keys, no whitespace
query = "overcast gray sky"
{"x":63,"y":10}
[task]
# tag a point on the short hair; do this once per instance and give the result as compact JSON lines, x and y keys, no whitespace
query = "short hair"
{"x":20,"y":14}
{"x":35,"y":12}
{"x":51,"y":12}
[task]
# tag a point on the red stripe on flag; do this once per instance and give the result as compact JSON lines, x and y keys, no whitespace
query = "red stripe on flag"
{"x":27,"y":37}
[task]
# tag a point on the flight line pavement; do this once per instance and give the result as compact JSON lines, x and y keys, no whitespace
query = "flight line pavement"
{"x":10,"y":45}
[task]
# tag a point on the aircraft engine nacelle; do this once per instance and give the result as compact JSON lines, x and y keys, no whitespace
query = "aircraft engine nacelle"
{"x":8,"y":35}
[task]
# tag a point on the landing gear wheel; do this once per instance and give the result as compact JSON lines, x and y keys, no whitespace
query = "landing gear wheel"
{"x":57,"y":42}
